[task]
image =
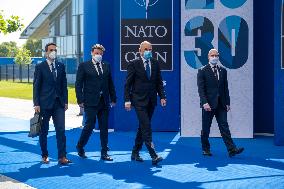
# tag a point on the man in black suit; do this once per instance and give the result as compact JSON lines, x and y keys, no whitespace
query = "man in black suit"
{"x":94,"y":88}
{"x":143,"y":82}
{"x":50,"y":98}
{"x":215,"y":101}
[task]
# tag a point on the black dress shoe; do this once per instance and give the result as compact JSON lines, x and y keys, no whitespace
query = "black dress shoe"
{"x":136,"y":157}
{"x":206,"y":153}
{"x":235,"y":151}
{"x":81,"y":152}
{"x":156,"y":160}
{"x":106,"y":157}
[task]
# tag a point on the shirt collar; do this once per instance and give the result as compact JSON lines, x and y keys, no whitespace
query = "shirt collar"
{"x":49,"y":62}
{"x":94,"y":62}
{"x":144,"y":60}
{"x":211,"y":65}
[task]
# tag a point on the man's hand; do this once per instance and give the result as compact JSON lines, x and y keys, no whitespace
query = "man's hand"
{"x":112,"y":104}
{"x":81,"y":105}
{"x":66,"y":107}
{"x":163,"y":102}
{"x":37,"y":109}
{"x":228,"y":108}
{"x":207,"y":107}
{"x":127,"y":106}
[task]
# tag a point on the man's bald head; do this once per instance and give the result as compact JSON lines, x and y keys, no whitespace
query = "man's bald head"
{"x":145,"y":46}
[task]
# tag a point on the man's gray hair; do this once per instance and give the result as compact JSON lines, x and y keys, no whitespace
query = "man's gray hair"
{"x":213,"y":50}
{"x":144,"y":42}
{"x":98,"y":46}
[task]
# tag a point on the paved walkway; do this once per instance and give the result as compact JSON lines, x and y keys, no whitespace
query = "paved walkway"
{"x":8,"y":183}
{"x":18,"y":110}
{"x":17,"y":113}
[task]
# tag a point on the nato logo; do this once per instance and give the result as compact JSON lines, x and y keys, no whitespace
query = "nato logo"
{"x":146,"y":4}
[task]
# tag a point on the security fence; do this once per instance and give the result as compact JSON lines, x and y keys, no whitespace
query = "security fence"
{"x":17,"y":72}
{"x":25,"y":72}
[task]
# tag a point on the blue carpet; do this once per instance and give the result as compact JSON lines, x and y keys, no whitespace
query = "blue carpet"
{"x":260,"y":166}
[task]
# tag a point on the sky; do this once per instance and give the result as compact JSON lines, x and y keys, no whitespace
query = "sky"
{"x":27,"y":10}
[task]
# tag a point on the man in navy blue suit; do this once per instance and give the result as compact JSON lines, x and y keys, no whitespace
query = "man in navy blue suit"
{"x":215,"y":101}
{"x":50,"y":98}
{"x":96,"y":93}
{"x":143,"y":83}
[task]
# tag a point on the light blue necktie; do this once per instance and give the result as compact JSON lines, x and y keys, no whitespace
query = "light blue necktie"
{"x":148,"y":71}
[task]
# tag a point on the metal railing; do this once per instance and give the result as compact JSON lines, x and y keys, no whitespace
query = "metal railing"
{"x":25,"y":72}
{"x":17,"y":72}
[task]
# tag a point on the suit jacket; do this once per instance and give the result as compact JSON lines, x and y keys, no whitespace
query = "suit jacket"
{"x":210,"y":89}
{"x":46,"y":89}
{"x":89,"y":84}
{"x":138,"y":88}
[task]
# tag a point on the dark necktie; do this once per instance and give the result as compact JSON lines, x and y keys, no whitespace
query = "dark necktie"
{"x":99,"y":69}
{"x":53,"y":71}
{"x":148,"y":71}
{"x":215,"y":72}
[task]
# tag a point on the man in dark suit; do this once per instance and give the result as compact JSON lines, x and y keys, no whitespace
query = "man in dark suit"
{"x":50,"y":98}
{"x":215,"y":101}
{"x":143,"y":82}
{"x":94,"y":88}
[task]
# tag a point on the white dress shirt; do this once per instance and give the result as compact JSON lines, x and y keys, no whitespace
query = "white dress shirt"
{"x":101,"y":66}
{"x":217,"y":68}
{"x":50,"y":66}
{"x":145,"y":64}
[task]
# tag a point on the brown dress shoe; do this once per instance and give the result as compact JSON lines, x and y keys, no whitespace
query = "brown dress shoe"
{"x":45,"y":160}
{"x":64,"y":161}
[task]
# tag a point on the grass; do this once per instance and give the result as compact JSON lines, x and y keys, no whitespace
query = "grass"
{"x":25,"y":91}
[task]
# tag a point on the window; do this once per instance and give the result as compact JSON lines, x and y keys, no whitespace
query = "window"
{"x":63,"y":24}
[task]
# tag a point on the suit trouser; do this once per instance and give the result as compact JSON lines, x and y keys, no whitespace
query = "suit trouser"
{"x":221,"y":116}
{"x":58,"y":116}
{"x":144,"y":132}
{"x":101,"y":111}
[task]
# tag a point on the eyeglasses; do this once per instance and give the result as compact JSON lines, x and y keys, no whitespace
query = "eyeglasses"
{"x":53,"y":50}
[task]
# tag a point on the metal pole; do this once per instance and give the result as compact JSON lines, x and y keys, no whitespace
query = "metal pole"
{"x":6,"y":72}
{"x":78,"y":39}
{"x":21,"y":79}
{"x":28,"y":73}
{"x":13,"y":72}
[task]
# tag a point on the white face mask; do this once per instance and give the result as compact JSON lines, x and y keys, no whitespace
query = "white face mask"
{"x":213,"y":60}
{"x":52,"y":55}
{"x":97,"y":58}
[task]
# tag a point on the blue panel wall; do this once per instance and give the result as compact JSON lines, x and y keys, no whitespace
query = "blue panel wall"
{"x":263,"y":67}
{"x":278,"y":78}
{"x":91,"y":26}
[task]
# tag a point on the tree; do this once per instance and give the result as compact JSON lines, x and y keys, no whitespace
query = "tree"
{"x":8,"y":49}
{"x":23,"y":56}
{"x":34,"y":46}
{"x":10,"y":25}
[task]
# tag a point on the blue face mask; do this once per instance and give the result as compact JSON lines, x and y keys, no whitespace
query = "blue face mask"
{"x":147,"y":55}
{"x":213,"y":60}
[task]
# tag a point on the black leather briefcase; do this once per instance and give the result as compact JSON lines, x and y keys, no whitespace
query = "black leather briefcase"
{"x":35,"y":125}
